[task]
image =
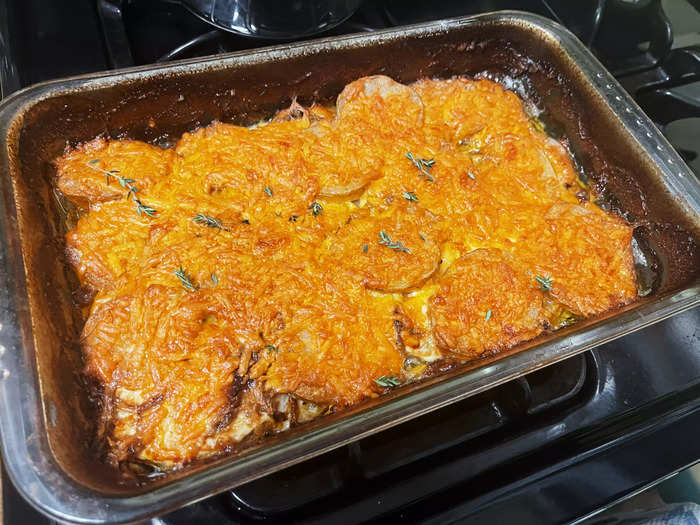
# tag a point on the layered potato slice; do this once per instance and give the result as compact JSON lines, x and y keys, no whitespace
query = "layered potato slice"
{"x":105,"y":242}
{"x":90,"y":174}
{"x":172,"y":368}
{"x":173,"y":348}
{"x":390,"y":250}
{"x":374,"y":115}
{"x":250,"y":170}
{"x":486,"y":302}
{"x":586,"y":254}
{"x":490,"y":124}
{"x":333,"y":344}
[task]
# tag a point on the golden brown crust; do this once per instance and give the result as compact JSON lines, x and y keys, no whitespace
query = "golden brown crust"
{"x":586,"y":252}
{"x":374,"y":115}
{"x":373,"y":245}
{"x":486,"y":302}
{"x":323,"y":254}
{"x":82,"y":177}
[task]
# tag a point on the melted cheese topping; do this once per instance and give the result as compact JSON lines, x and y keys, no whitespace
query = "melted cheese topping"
{"x":320,"y":252}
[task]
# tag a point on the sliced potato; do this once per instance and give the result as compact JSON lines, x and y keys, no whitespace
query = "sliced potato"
{"x":485,"y":302}
{"x":390,"y":253}
{"x":91,"y":173}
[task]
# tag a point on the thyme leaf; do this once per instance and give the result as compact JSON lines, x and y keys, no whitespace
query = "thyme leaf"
{"x":386,"y":240}
{"x":488,"y":315}
{"x":315,"y":208}
{"x":270,"y":348}
{"x":144,"y":209}
{"x":365,"y":248}
{"x":268,"y":190}
{"x":208,"y":220}
{"x":545,"y":283}
{"x":293,"y":218}
{"x":423,"y":165}
{"x":410,"y":196}
{"x":185,"y":279}
{"x":214,"y":279}
{"x":388,"y":381}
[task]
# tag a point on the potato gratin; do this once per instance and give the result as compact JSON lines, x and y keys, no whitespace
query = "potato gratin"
{"x":249,"y":279}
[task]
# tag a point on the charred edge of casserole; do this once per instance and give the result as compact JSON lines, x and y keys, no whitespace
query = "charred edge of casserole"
{"x":102,"y":423}
{"x":135,"y":471}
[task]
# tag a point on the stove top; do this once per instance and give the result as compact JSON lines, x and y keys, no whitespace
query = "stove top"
{"x":553,"y":446}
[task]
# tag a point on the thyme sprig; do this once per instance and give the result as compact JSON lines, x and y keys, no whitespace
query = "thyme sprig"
{"x":208,"y":220}
{"x":127,"y":184}
{"x":388,"y":381}
{"x":545,"y":283}
{"x":423,"y":165}
{"x":386,"y":240}
{"x":185,"y":279}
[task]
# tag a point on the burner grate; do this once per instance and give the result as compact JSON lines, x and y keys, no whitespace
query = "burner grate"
{"x":138,"y":32}
{"x":628,"y":37}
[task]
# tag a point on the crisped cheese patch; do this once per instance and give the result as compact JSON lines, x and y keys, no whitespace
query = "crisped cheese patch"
{"x":323,"y":257}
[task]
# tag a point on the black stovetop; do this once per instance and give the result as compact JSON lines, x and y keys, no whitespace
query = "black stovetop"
{"x":553,"y":446}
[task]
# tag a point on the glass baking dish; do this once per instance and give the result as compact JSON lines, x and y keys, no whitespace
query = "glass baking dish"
{"x":45,"y":418}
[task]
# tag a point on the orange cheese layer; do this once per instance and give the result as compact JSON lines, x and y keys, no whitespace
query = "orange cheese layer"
{"x":324,"y":257}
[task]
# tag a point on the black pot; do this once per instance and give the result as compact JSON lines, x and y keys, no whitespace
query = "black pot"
{"x":273,"y":19}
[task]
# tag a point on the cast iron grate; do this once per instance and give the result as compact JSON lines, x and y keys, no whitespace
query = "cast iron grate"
{"x":144,"y":32}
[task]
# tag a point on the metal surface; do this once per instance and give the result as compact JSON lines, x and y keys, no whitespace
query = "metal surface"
{"x":40,"y":423}
{"x":9,"y":79}
{"x":116,"y":39}
{"x":271,"y":19}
